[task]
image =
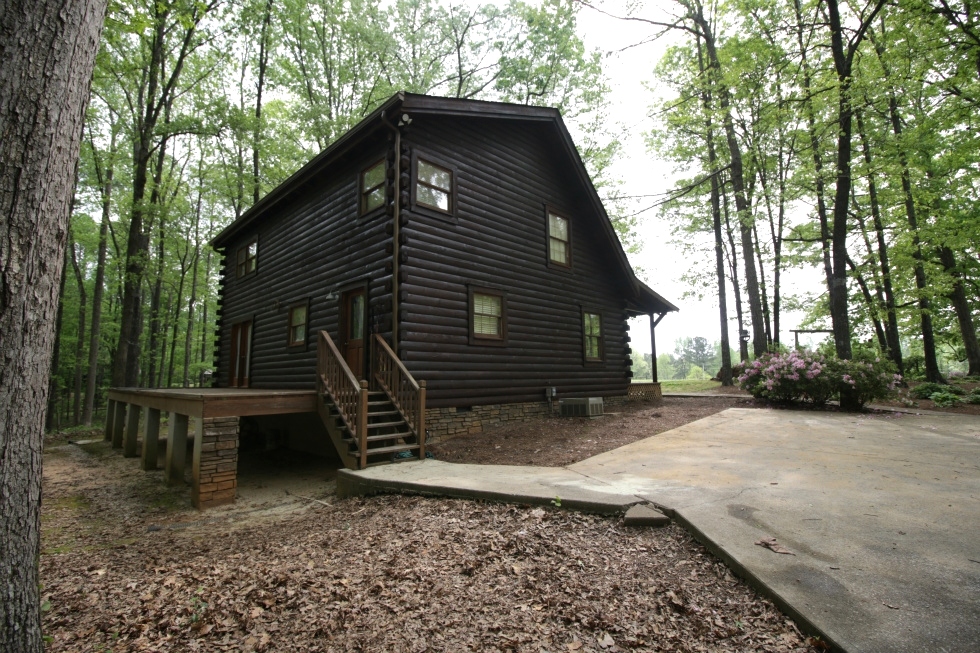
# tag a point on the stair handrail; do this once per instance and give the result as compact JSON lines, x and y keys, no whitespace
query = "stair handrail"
{"x":348,"y":394}
{"x":405,"y":393}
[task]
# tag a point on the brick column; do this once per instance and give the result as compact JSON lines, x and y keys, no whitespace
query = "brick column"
{"x":215,"y":467}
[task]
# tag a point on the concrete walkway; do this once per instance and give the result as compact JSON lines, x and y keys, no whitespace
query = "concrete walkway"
{"x":882,"y":514}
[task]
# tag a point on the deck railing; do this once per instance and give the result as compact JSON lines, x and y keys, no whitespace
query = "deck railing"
{"x":348,"y":394}
{"x":407,"y":394}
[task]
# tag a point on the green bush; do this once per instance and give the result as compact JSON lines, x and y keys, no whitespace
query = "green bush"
{"x":945,"y":399}
{"x":973,"y":397}
{"x":927,"y":389}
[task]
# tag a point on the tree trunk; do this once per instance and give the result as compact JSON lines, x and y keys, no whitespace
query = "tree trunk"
{"x":725,"y":374}
{"x":49,"y":51}
{"x":155,"y":98}
{"x":921,"y":283}
{"x":257,"y":134}
{"x":99,"y":289}
{"x":894,"y":349}
{"x":52,"y":420}
{"x":742,"y":207}
{"x":963,"y":313}
{"x":80,"y":340}
{"x":743,"y":344}
{"x":811,"y":125}
{"x":872,"y":304}
{"x":843,"y":65}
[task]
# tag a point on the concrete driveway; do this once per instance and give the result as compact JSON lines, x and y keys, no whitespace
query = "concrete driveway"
{"x":881,"y":514}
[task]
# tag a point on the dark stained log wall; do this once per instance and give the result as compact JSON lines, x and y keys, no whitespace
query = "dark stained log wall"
{"x":507,"y":172}
{"x":311,"y":247}
{"x":314,"y":246}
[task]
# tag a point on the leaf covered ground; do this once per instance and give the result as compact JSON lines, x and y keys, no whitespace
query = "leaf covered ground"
{"x":126,"y":567}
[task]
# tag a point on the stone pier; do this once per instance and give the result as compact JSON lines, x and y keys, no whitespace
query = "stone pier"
{"x":215,"y":467}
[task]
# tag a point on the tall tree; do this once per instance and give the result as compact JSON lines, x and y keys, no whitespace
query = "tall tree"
{"x":844,"y":47}
{"x":48,"y":50}
{"x":166,"y":34}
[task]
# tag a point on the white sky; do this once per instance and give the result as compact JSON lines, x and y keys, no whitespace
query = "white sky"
{"x":630,"y":70}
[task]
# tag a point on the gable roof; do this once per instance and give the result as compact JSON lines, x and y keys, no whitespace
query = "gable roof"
{"x":644,"y":299}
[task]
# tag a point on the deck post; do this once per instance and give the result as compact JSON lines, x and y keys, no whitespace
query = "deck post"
{"x":132,"y":430}
{"x":176,"y":449}
{"x":110,"y":412}
{"x":117,"y":424}
{"x":151,"y":440}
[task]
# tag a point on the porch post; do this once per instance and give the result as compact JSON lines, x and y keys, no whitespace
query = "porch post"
{"x":653,"y":349}
{"x":151,"y":439}
{"x":117,"y":424}
{"x":176,"y":449}
{"x":132,"y":430}
{"x":110,"y":412}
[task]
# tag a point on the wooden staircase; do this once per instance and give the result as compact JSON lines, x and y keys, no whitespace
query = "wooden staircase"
{"x":370,"y":427}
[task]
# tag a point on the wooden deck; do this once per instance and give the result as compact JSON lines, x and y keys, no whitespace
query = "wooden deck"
{"x":218,"y":402}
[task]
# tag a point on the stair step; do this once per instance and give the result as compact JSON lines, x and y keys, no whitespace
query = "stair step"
{"x":387,"y":436}
{"x":378,"y":425}
{"x":393,"y":449}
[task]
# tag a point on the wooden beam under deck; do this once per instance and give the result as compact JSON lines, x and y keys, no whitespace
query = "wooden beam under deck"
{"x":218,"y":402}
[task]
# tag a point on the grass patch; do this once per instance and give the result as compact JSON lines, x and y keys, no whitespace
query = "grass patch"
{"x":688,"y":385}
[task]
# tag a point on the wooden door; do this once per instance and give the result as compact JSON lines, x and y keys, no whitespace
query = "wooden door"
{"x":241,"y":354}
{"x":354,"y":318}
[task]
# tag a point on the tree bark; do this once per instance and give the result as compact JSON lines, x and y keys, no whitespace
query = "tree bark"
{"x":105,"y":185}
{"x":894,"y":349}
{"x":742,"y":207}
{"x":961,"y":306}
{"x":80,"y":340}
{"x":843,"y":65}
{"x":48,"y":51}
{"x":725,"y":374}
{"x":155,"y":98}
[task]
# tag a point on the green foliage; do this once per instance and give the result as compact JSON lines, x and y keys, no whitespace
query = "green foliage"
{"x":945,"y":399}
{"x":927,"y":389}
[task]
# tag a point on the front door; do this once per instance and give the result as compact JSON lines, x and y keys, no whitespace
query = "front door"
{"x":241,"y":354}
{"x":353,"y":321}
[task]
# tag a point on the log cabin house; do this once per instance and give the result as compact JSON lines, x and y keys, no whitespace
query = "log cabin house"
{"x":444,"y":263}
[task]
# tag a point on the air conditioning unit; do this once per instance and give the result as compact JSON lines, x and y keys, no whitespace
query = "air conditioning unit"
{"x":586,"y":407}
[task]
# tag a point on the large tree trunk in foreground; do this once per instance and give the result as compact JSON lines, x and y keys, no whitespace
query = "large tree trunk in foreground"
{"x":48,"y":50}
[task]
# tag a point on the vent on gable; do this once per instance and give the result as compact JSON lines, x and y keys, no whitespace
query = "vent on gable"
{"x":586,"y":407}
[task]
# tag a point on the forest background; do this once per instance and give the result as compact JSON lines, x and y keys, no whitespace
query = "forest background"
{"x":831,"y":144}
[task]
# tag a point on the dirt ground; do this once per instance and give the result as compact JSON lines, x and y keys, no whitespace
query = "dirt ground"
{"x":126,"y":565}
{"x":558,"y":441}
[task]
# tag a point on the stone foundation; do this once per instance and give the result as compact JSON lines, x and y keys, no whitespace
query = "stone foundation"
{"x":215,"y":468}
{"x":445,"y":423}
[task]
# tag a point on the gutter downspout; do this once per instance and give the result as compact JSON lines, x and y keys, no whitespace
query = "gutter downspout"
{"x":395,"y":232}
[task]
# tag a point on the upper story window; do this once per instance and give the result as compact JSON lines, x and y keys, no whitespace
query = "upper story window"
{"x":434,"y":187}
{"x":298,"y":317}
{"x":373,"y":187}
{"x":592,"y":331}
{"x":247,"y":258}
{"x":488,"y":320}
{"x":559,"y":240}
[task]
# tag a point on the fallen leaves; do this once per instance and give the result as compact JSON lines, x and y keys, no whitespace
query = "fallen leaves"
{"x":383,"y":574}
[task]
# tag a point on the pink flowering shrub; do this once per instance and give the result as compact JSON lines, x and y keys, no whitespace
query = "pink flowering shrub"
{"x":810,"y":377}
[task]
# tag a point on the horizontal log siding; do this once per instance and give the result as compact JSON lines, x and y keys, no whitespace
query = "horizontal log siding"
{"x":311,"y":247}
{"x":507,"y":172}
